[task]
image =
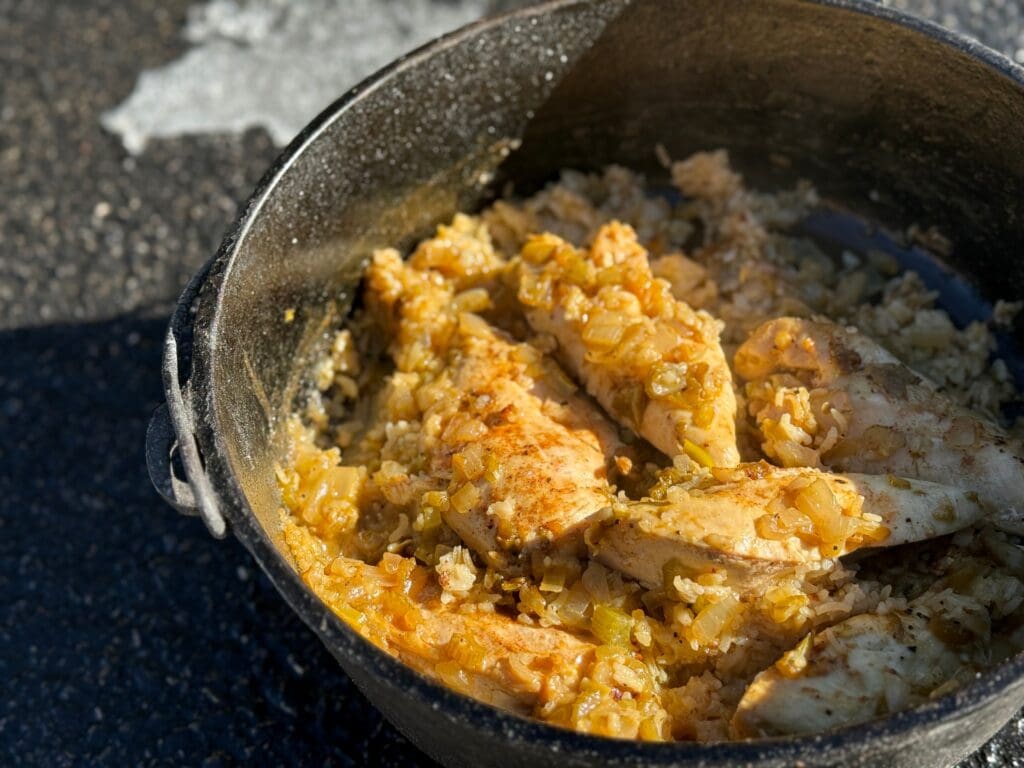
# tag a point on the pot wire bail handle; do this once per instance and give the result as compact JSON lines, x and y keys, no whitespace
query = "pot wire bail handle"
{"x":193,"y":495}
{"x":171,"y":434}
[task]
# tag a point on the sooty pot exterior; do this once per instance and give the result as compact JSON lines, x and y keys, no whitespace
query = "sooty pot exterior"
{"x":895,"y":118}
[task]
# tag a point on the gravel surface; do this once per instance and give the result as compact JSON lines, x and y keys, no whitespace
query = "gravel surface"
{"x":129,"y":636}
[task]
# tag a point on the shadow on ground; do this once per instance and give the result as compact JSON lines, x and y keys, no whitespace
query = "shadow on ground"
{"x":128,"y":635}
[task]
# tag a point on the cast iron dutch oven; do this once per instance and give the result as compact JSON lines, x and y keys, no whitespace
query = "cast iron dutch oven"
{"x":894,"y":118}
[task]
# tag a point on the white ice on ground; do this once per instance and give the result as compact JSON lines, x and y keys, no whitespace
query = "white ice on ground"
{"x":275,"y":63}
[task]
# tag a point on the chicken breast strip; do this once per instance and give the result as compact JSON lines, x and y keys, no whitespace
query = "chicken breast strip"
{"x":518,"y":456}
{"x":899,"y":655}
{"x":760,"y":519}
{"x":485,"y":654}
{"x":862,"y":410}
{"x":526,"y":457}
{"x":650,"y":360}
{"x":862,"y":668}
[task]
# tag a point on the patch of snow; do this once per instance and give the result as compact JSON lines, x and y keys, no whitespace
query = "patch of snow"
{"x":275,"y":63}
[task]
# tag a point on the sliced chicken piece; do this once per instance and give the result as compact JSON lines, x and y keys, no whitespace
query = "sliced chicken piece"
{"x":864,"y":667}
{"x":545,"y":672}
{"x":517,"y":657}
{"x":511,"y":659}
{"x":864,"y":411}
{"x":650,"y":360}
{"x":881,"y":662}
{"x":525,"y":455}
{"x":818,"y":347}
{"x":762,"y":519}
{"x":517,"y":455}
{"x":486,"y":655}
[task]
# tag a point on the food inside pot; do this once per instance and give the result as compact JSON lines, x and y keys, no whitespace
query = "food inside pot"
{"x":656,"y":467}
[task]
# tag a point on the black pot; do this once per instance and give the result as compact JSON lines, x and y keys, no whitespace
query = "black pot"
{"x":893,"y":117}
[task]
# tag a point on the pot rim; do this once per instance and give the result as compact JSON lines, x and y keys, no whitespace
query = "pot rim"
{"x":344,"y":642}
